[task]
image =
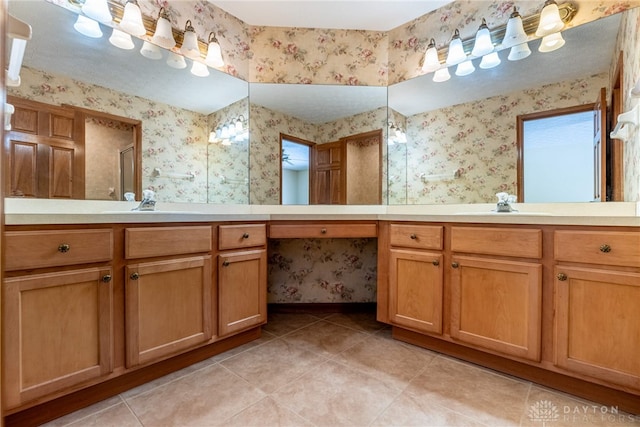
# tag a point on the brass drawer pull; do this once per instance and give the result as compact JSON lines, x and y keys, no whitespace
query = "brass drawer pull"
{"x":323,"y":231}
{"x":225,"y":263}
{"x":64,"y":248}
{"x":455,"y":265}
{"x":413,"y":236}
{"x":435,"y":262}
{"x":245,"y":236}
{"x":605,"y":248}
{"x":106,"y":278}
{"x":562,"y":277}
{"x":134,"y":276}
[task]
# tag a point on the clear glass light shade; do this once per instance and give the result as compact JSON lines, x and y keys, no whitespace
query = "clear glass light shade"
{"x":98,"y":10}
{"x":490,"y":61}
{"x":551,"y":42}
{"x":176,"y":61}
{"x":214,"y":55}
{"x":88,"y":27}
{"x":514,"y":34}
{"x":465,"y":68}
{"x":150,"y":50}
{"x":199,"y":69}
{"x":163,"y":35}
{"x":442,"y":75}
{"x":189,"y":46}
{"x":121,"y":39}
{"x":456,"y":51}
{"x":132,"y":20}
{"x":550,"y":21}
{"x":431,"y":62}
{"x":483,"y":44}
{"x":519,"y":52}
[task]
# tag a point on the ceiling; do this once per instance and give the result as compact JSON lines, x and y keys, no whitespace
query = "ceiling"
{"x":376,"y":15}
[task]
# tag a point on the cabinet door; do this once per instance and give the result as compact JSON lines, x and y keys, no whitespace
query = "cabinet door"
{"x":168,"y":307}
{"x":415,"y":290}
{"x":496,"y":305}
{"x":242,"y":290}
{"x":597,"y":324}
{"x":57,"y":331}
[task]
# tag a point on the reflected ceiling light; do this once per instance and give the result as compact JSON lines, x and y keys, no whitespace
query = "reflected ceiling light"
{"x":190,"y":47}
{"x":456,"y":51}
{"x":465,"y":68}
{"x":442,"y":75}
{"x":200,"y":70}
{"x":121,"y":39}
{"x":431,"y":62}
{"x":132,"y":19}
{"x":176,"y":61}
{"x":514,"y":34}
{"x":150,"y":50}
{"x":483,"y":44}
{"x":489,"y":61}
{"x":97,"y":10}
{"x":551,"y":42}
{"x":214,"y":53}
{"x":87,"y":27}
{"x":550,"y":21}
{"x":163,"y":35}
{"x":519,"y":52}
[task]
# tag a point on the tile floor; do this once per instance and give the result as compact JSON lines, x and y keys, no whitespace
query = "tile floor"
{"x":337,"y":369}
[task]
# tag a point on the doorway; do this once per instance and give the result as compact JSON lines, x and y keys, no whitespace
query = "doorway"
{"x":294,"y":170}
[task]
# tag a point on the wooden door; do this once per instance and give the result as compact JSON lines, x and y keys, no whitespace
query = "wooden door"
{"x":168,"y":306}
{"x":57,"y":331}
{"x":328,"y":184}
{"x":496,"y":305}
{"x":242,"y":291}
{"x":597,"y":324}
{"x":415,"y":290}
{"x":600,"y":147}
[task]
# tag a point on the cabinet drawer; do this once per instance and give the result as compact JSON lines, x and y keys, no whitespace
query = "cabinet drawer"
{"x":48,"y":248}
{"x":416,"y":236}
{"x":598,"y":247}
{"x":515,"y":242}
{"x":241,"y":236}
{"x":161,"y":241}
{"x":324,"y":231}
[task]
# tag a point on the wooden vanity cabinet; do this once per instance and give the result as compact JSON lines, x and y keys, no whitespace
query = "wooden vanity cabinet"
{"x":168,"y":287}
{"x":496,"y":301}
{"x":242,"y":277}
{"x":597,"y":300}
{"x":57,"y":311}
{"x":416,"y":277}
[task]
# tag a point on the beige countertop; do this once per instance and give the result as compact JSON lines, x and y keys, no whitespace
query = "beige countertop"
{"x":48,"y":211}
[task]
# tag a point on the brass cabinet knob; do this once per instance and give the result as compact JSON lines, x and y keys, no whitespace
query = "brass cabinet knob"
{"x":134,"y":276}
{"x":64,"y":247}
{"x":106,"y":278}
{"x":245,"y":236}
{"x":413,"y":237}
{"x":455,"y":265}
{"x":435,"y":262}
{"x":323,"y":231}
{"x":225,"y":263}
{"x":562,"y":277}
{"x":605,"y":248}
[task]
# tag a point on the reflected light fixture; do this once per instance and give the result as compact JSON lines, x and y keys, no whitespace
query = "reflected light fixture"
{"x":431,"y":62}
{"x":483,"y":44}
{"x":519,"y":52}
{"x":441,"y":75}
{"x":163,"y":36}
{"x":214,"y":53}
{"x":97,"y":10}
{"x":199,"y":69}
{"x":87,"y":27}
{"x":240,"y":124}
{"x":551,"y":42}
{"x":176,"y":61}
{"x":121,"y":39}
{"x":550,"y":21}
{"x":190,"y":47}
{"x":489,"y":61}
{"x":19,"y":32}
{"x":151,"y":51}
{"x":514,"y":34}
{"x":465,"y":68}
{"x":456,"y":51}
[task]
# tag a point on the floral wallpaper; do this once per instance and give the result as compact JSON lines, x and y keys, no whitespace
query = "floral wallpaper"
{"x":173,"y":140}
{"x":322,"y":270}
{"x":477,"y":139}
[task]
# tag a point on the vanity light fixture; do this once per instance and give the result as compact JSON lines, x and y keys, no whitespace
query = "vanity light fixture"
{"x":514,"y":34}
{"x":163,"y":35}
{"x":456,"y":51}
{"x":199,"y":69}
{"x":214,"y":53}
{"x":465,"y":68}
{"x":483,"y":44}
{"x":489,"y":61}
{"x":189,"y":46}
{"x":97,"y":10}
{"x":151,"y":51}
{"x":550,"y":21}
{"x":431,"y":62}
{"x":176,"y":61}
{"x":441,"y":75}
{"x":519,"y":52}
{"x":87,"y":27}
{"x":551,"y":42}
{"x":121,"y":39}
{"x":132,"y":19}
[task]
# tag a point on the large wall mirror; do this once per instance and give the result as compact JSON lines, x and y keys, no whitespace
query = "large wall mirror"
{"x":177,"y":110}
{"x":461,"y":134}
